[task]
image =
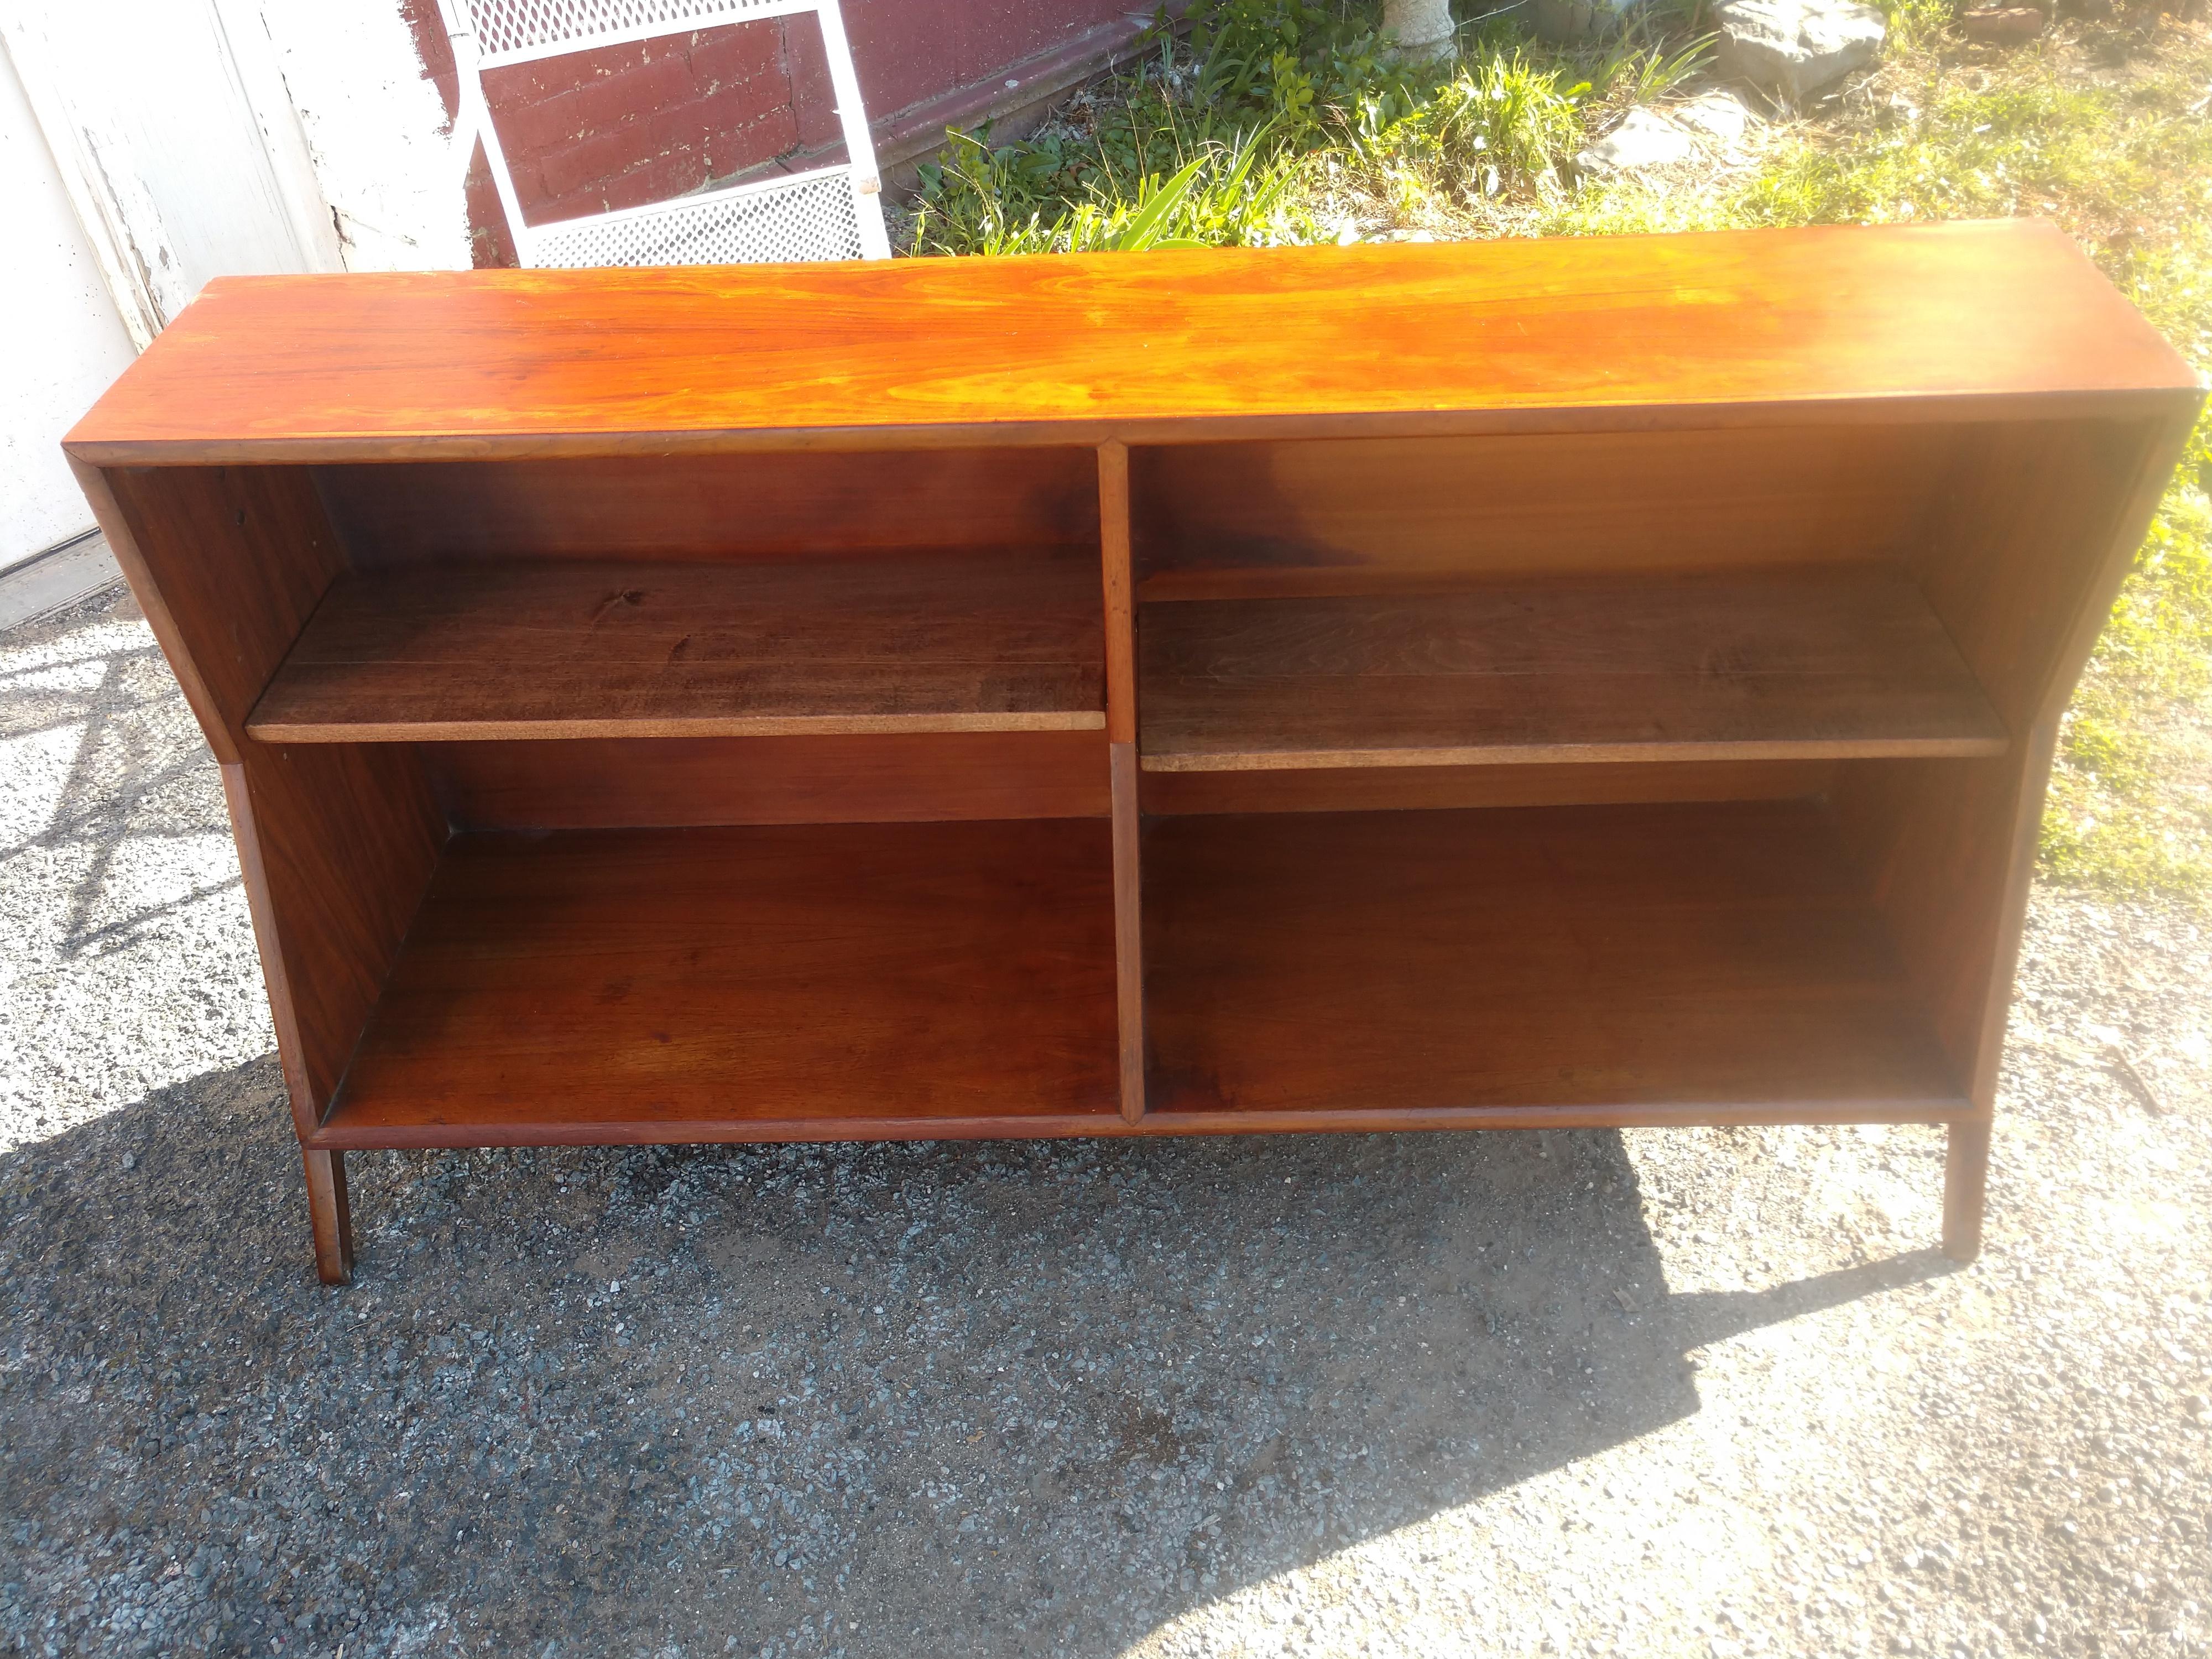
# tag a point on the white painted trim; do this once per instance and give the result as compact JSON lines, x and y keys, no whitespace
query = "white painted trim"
{"x":771,"y":185}
{"x":859,"y":145}
{"x":472,"y":125}
{"x":656,"y":30}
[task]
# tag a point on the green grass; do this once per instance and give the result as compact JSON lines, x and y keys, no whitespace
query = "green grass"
{"x":1286,"y":121}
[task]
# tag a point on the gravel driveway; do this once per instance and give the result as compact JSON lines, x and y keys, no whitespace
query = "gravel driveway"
{"x":1646,"y":1393}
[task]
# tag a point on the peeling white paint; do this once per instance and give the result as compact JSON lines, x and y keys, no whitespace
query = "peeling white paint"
{"x":152,"y":145}
{"x":375,"y":130}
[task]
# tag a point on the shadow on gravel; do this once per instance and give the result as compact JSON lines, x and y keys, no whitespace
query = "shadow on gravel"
{"x":984,"y":1398}
{"x":130,"y":785}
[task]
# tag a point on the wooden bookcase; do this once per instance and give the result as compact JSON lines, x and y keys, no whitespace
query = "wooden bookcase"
{"x":1531,"y":684}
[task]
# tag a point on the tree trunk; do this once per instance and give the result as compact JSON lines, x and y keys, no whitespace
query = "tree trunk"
{"x":1424,"y":28}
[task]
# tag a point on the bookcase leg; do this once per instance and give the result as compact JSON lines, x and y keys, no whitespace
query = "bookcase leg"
{"x":1965,"y":1183}
{"x":332,"y":1216}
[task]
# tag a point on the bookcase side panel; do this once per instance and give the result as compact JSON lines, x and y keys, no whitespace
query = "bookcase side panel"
{"x":336,"y":846}
{"x":337,"y":843}
{"x":2021,"y":557}
{"x":227,"y":564}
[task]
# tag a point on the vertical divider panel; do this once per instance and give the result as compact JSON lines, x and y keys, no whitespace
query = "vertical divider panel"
{"x":1121,"y":750}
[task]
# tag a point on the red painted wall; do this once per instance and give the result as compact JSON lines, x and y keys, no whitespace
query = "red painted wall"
{"x":630,"y":125}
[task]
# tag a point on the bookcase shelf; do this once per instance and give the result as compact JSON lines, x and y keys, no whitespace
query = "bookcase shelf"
{"x":777,"y":982}
{"x":512,"y":648}
{"x":1659,"y":963}
{"x":1410,"y":687}
{"x":1833,"y":662}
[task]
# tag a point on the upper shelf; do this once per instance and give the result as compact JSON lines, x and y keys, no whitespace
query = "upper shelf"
{"x":1818,"y":662}
{"x":556,"y":648}
{"x":1934,"y":321}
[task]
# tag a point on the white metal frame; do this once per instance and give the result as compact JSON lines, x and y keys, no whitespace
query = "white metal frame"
{"x":824,"y":212}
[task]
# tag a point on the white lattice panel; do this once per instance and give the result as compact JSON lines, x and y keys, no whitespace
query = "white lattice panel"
{"x":503,"y":26}
{"x":810,"y":219}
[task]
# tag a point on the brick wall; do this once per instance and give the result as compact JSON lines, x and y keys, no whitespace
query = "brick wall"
{"x":594,"y":131}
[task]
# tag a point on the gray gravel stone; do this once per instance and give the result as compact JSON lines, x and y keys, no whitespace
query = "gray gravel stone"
{"x":1706,"y":1391}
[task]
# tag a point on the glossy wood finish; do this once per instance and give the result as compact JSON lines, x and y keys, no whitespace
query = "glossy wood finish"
{"x":818,"y":981}
{"x":1364,"y":515}
{"x":1627,"y":963}
{"x":223,"y":622}
{"x":2022,"y":564}
{"x":1813,"y":528}
{"x":1119,"y":613}
{"x":1900,"y":323}
{"x":1128,"y":930}
{"x":785,"y":505}
{"x":613,"y":783}
{"x":1828,"y":661}
{"x":330,"y":1212}
{"x":513,"y":648}
{"x":336,"y":846}
{"x":1966,"y":1188}
{"x":1114,"y":508}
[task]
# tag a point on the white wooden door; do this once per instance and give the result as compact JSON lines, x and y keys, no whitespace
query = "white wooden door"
{"x":61,"y":339}
{"x":177,"y":141}
{"x":151,"y":145}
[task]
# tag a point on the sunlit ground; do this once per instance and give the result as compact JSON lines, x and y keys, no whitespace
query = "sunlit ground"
{"x":123,"y":926}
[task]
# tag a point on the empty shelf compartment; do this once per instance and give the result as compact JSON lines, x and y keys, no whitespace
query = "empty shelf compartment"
{"x":1644,"y":963}
{"x":805,"y":981}
{"x":1830,"y":661}
{"x":559,"y":649}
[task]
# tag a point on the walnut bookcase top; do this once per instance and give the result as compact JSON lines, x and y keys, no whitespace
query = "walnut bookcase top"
{"x":1930,"y":322}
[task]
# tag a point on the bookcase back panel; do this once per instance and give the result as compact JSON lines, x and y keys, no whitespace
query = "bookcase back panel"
{"x":1354,"y":514}
{"x":713,"y":507}
{"x":595,"y":783}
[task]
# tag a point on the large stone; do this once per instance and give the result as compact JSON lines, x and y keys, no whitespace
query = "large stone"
{"x":1712,"y":122}
{"x":1720,"y":116}
{"x":1793,"y":48}
{"x":1644,"y":138}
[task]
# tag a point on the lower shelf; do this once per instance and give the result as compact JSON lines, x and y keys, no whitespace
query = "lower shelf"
{"x":784,"y":982}
{"x":1590,"y":964}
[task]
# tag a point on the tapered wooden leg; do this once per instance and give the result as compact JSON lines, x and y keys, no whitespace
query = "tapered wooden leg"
{"x":1965,"y":1183}
{"x":333,"y":1214}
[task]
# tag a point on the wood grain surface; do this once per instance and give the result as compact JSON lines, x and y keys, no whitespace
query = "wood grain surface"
{"x":513,"y":649}
{"x":1706,"y":959}
{"x":1821,"y":662}
{"x":615,"y":783}
{"x":1352,"y":515}
{"x":688,"y":984}
{"x":792,"y":505}
{"x":1915,"y":323}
